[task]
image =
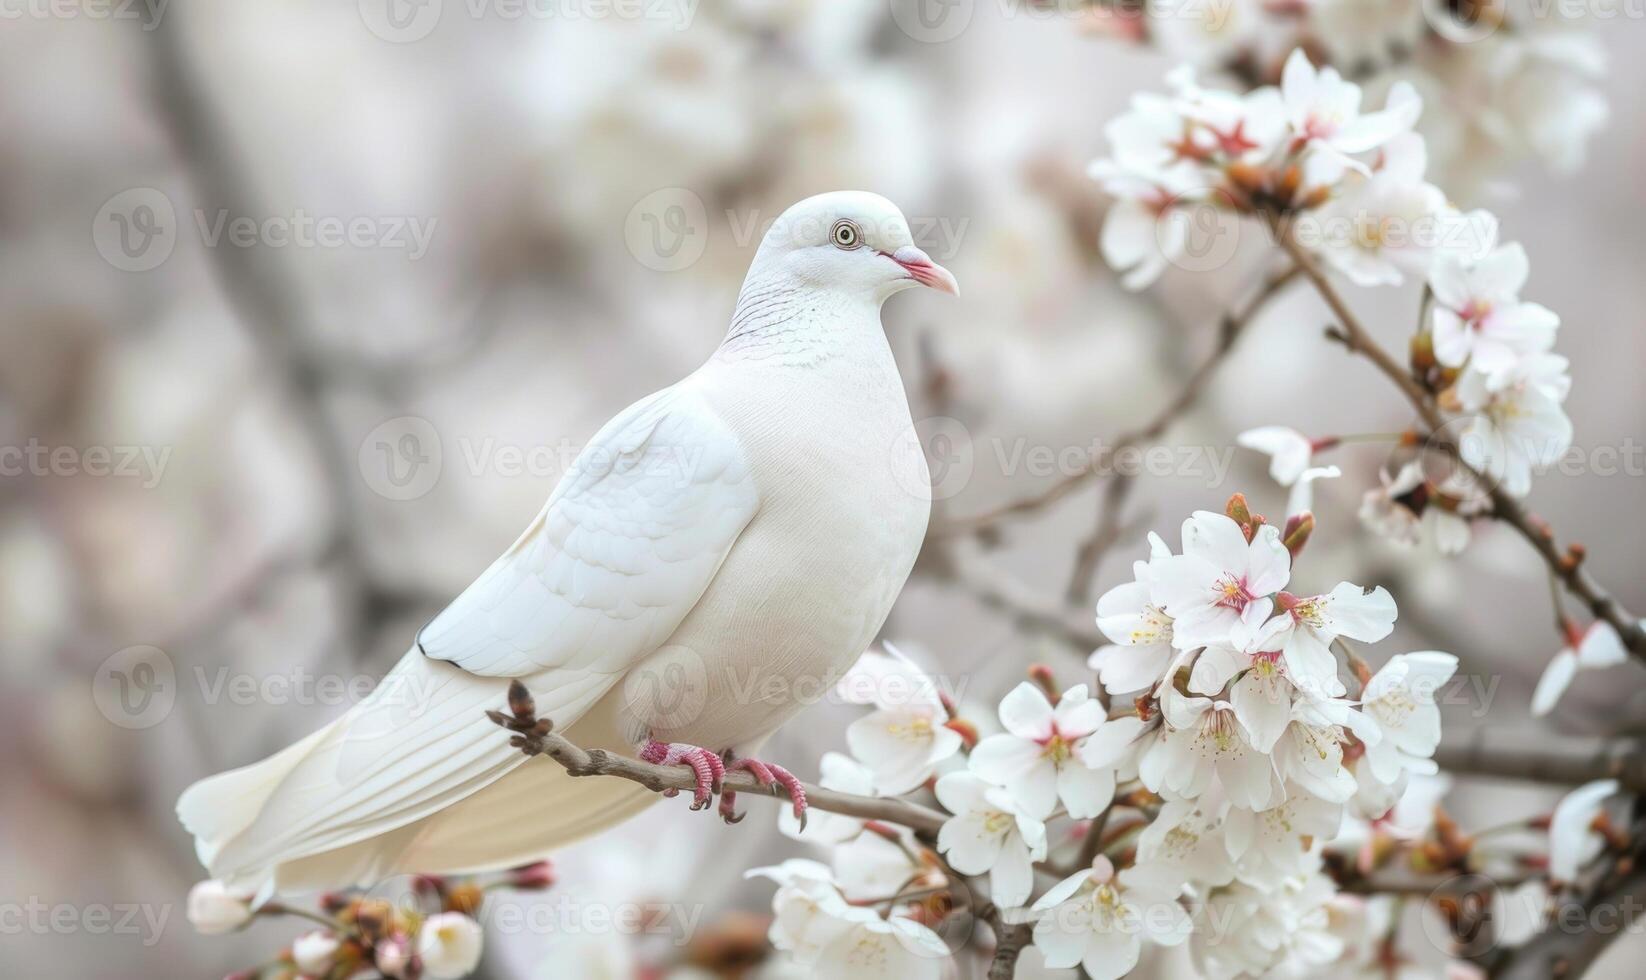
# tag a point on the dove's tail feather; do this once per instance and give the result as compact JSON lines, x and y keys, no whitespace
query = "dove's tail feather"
{"x":358,"y":799}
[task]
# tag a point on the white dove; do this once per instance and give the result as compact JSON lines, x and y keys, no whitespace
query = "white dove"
{"x":721,"y":552}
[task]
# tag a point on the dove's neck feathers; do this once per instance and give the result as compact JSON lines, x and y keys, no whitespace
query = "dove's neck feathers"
{"x":782,"y":319}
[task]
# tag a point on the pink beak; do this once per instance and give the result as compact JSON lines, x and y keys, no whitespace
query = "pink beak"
{"x":923,"y":270}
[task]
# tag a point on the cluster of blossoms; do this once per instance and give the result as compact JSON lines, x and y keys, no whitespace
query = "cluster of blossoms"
{"x":1349,"y":188}
{"x":436,"y":935}
{"x":1214,"y":790}
{"x":1507,"y":80}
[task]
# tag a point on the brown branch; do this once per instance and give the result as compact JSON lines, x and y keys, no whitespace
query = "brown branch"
{"x":1564,"y":563}
{"x":1540,"y":757}
{"x":1579,"y":929}
{"x":536,"y":736}
{"x":1010,"y":940}
{"x":1230,"y":329}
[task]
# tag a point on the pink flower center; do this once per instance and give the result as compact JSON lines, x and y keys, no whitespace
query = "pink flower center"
{"x":1232,"y":593}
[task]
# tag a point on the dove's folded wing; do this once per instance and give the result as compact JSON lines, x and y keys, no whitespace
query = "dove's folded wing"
{"x":621,"y":552}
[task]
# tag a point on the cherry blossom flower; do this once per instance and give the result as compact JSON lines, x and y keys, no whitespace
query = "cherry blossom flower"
{"x":1408,"y":508}
{"x":1400,"y":699}
{"x":313,"y":953}
{"x":449,"y":945}
{"x":1280,"y":931}
{"x":1598,"y":646}
{"x":905,"y":738}
{"x":1310,"y":753}
{"x":1140,"y":631}
{"x":1479,"y":318}
{"x":871,"y":948}
{"x":1571,"y":843}
{"x":1311,"y":625}
{"x":1098,"y":919}
{"x":214,"y":909}
{"x":990,"y":833}
{"x":1386,"y":226}
{"x":1186,"y":836}
{"x":808,"y":909}
{"x":1271,"y":846}
{"x":1220,"y":578}
{"x":1289,"y":450}
{"x":1204,"y":740}
{"x":1324,"y":109}
{"x":1036,"y":758}
{"x":1262,"y":695}
{"x":1520,"y":425}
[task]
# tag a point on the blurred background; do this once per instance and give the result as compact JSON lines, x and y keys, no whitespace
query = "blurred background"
{"x":305,"y":307}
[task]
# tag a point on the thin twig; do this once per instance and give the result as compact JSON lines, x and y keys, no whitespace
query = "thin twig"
{"x":1230,"y":329}
{"x":1565,"y":563}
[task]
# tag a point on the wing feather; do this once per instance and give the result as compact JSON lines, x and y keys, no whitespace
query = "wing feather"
{"x":623,"y":549}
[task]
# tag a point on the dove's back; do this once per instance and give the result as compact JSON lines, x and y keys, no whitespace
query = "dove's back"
{"x":775,"y":506}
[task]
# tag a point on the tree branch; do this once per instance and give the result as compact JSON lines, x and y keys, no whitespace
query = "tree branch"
{"x":536,"y":736}
{"x":1566,"y":564}
{"x":1539,"y":757}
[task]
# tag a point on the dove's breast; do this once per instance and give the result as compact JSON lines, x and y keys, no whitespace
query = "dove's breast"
{"x":844,"y":501}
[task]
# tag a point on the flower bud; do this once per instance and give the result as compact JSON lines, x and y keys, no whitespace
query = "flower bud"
{"x":465,"y":898}
{"x":395,"y":959}
{"x":213,"y":909}
{"x":1296,"y":535}
{"x":532,"y":877}
{"x":965,"y":729}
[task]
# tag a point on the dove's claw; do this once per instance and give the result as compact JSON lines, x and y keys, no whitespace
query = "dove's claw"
{"x":728,"y":807}
{"x":766,"y":773}
{"x":705,"y":765}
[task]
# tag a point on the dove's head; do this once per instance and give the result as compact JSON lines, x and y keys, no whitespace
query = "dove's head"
{"x":850,"y":241}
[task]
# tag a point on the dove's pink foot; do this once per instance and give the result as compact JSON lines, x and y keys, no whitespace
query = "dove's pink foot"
{"x":705,"y":764}
{"x":765,"y":773}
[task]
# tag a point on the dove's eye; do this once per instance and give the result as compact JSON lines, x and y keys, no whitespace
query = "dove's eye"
{"x":846,"y":235}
